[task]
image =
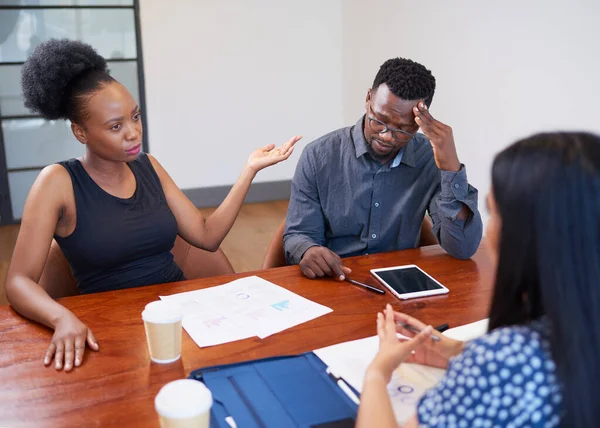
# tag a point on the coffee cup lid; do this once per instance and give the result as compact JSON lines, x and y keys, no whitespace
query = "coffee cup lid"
{"x":183,"y":398}
{"x":162,"y":312}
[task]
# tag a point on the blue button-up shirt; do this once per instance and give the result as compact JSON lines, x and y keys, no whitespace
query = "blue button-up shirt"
{"x":347,"y":201}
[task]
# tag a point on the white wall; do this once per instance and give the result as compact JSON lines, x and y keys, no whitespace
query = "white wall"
{"x":226,"y":77}
{"x":504,"y":69}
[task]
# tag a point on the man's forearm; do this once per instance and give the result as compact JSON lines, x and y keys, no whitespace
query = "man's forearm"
{"x":458,"y":224}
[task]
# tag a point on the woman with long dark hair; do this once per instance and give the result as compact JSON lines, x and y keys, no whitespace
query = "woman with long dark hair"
{"x":115,"y":212}
{"x":539,"y":363}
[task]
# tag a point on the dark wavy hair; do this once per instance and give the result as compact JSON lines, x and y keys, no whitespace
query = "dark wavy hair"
{"x":547,"y":188}
{"x":406,"y":79}
{"x":59,"y":76}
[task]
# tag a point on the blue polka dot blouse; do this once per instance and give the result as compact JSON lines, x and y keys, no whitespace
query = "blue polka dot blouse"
{"x":504,"y":379}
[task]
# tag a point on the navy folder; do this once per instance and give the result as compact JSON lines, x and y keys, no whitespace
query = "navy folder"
{"x":293,"y":391}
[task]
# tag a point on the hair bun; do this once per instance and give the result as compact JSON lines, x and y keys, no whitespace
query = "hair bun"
{"x":51,"y":69}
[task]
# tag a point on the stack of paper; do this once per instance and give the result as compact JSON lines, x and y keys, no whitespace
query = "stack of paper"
{"x":468,"y":331}
{"x":409,"y":382}
{"x":243,"y":308}
{"x":349,"y":360}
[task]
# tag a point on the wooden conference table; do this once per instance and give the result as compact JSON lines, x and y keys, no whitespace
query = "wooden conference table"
{"x":117,"y":385}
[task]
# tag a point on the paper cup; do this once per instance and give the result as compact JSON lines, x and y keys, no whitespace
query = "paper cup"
{"x":162,"y":321}
{"x":184,"y":403}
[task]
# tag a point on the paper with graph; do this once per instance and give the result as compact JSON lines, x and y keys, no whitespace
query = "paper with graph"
{"x":243,"y":308}
{"x":409,"y":382}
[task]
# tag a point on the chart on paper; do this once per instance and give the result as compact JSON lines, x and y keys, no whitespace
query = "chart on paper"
{"x":408,"y":384}
{"x":243,"y":308}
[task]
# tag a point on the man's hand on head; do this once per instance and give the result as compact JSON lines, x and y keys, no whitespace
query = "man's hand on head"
{"x":440,"y":136}
{"x":318,"y":262}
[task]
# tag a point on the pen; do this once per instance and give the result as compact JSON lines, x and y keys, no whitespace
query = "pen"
{"x":343,"y":386}
{"x":442,"y":328}
{"x":231,"y":422}
{"x":415,"y":330}
{"x":368,"y":287}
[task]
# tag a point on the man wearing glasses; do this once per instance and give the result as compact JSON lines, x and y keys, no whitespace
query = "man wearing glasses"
{"x":366,"y":188}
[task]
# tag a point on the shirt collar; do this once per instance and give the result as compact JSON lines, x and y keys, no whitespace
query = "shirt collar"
{"x":397,"y":159}
{"x":358,"y":138}
{"x":408,"y":152}
{"x":405,"y":156}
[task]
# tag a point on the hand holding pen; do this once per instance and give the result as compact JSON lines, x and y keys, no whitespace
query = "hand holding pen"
{"x":415,"y":330}
{"x":436,"y":352}
{"x":392,"y":352}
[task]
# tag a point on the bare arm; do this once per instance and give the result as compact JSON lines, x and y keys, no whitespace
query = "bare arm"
{"x":41,"y":216}
{"x":209,"y":233}
{"x":375,"y":406}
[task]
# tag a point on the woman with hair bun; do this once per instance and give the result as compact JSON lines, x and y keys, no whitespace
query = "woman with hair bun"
{"x":115,"y":212}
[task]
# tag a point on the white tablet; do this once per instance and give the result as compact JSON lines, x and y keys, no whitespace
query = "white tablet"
{"x":407,"y":282}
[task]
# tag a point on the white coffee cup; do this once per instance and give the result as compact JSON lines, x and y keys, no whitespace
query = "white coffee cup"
{"x":162,"y":321}
{"x":184,"y":403}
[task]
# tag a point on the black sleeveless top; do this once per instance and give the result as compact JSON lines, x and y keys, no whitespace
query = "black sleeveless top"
{"x":120,"y":243}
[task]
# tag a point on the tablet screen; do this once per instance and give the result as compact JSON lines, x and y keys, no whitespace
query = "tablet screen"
{"x":408,"y":280}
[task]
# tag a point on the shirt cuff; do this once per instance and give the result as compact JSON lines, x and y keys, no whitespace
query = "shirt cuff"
{"x":454,"y":184}
{"x":456,"y":191}
{"x":295,"y":246}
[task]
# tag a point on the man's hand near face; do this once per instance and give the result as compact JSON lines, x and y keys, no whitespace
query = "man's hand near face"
{"x":442,"y":141}
{"x":440,"y":136}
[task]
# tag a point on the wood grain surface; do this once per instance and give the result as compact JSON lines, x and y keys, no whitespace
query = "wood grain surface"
{"x":117,"y":385}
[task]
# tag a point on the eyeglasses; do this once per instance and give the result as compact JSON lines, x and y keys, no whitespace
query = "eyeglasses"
{"x":381,"y":128}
